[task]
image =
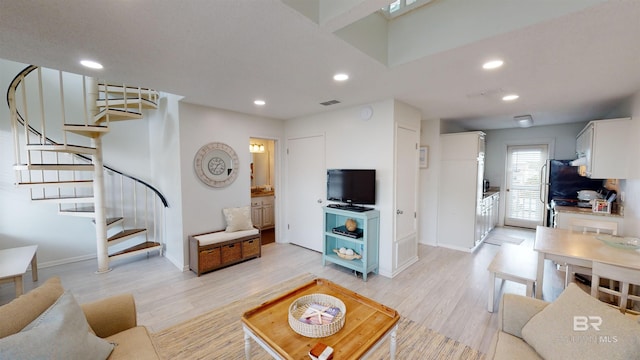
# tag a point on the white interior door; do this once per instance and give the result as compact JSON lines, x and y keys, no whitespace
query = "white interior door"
{"x":522,"y":202}
{"x":307,"y":182}
{"x":406,"y":235}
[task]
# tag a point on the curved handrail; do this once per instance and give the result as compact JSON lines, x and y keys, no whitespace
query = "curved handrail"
{"x":13,"y":87}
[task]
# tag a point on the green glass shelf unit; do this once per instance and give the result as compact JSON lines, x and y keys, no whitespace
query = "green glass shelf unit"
{"x":366,"y":246}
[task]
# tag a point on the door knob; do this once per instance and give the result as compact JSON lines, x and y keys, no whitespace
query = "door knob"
{"x":399,"y":212}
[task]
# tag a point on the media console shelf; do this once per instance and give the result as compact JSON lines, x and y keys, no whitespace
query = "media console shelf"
{"x":368,"y":222}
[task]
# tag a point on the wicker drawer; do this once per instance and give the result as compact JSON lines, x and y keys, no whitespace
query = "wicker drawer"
{"x":209,"y":259}
{"x":251,"y":248}
{"x":231,"y":253}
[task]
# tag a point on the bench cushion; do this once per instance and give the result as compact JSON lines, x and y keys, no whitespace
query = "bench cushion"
{"x":222,"y":236}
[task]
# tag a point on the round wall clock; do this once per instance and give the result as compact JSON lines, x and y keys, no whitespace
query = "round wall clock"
{"x":216,"y":164}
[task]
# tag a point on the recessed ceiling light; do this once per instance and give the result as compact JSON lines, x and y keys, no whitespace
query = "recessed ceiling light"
{"x":91,"y":64}
{"x":259,"y":102}
{"x":510,"y":97}
{"x":340,"y":77}
{"x":493,"y":64}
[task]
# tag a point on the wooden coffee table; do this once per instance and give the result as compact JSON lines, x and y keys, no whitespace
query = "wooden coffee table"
{"x":14,"y":263}
{"x":367,"y":325}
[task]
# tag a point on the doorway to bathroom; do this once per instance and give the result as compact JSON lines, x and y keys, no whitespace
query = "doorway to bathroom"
{"x":263,"y":191}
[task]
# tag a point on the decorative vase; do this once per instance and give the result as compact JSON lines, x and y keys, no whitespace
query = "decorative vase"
{"x":351,"y":225}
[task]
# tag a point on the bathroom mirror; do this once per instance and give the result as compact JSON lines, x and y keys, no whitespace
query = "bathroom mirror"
{"x":261,"y":169}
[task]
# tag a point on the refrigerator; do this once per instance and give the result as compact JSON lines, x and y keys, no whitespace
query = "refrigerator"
{"x":562,"y":183}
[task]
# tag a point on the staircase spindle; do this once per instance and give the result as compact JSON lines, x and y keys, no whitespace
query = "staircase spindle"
{"x":62,"y":108}
{"x":43,"y":129}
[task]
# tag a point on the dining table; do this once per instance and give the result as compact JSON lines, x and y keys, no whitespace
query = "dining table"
{"x":565,"y":246}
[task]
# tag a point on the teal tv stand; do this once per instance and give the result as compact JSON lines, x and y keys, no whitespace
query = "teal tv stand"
{"x":365,"y":242}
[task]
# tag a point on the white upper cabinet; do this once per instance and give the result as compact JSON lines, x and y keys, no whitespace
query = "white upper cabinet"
{"x":602,"y":145}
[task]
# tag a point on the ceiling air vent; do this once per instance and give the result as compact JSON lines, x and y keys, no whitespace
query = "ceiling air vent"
{"x":330,"y":102}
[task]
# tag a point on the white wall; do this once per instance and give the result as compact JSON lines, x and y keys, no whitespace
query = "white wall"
{"x":355,"y":143}
{"x":164,"y":149}
{"x":428,"y":194}
{"x":202,"y":205}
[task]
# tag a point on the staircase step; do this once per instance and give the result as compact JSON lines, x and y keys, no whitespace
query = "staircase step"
{"x":125,"y":235}
{"x":55,"y":167}
{"x":84,"y":211}
{"x":92,"y":131}
{"x":66,"y":199}
{"x":116,"y":115}
{"x":130,"y":90}
{"x":69,"y":183}
{"x":111,"y":222}
{"x":144,"y":247}
{"x":73,"y":149}
{"x":132,"y":102}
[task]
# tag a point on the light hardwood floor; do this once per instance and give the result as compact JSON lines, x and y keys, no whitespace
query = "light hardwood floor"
{"x":446,"y":290}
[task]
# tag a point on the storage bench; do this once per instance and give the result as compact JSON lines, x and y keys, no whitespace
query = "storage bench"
{"x":217,"y":249}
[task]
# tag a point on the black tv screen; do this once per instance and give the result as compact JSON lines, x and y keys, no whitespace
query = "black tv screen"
{"x":353,"y":186}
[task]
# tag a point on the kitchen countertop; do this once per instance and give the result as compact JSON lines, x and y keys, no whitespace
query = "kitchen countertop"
{"x":584,"y":211}
{"x":262,"y":193}
{"x":491,"y":191}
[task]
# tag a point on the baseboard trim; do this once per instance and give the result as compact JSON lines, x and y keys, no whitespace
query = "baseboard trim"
{"x":459,"y":248}
{"x":47,"y":264}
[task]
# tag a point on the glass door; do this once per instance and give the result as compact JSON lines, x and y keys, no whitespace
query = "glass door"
{"x":522,"y":203}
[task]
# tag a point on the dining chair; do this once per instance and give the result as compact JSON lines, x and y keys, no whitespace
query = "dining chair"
{"x":588,"y":226}
{"x":625,"y":276}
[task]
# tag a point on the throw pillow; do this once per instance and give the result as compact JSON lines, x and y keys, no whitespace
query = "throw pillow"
{"x":578,"y":326}
{"x":238,"y":218}
{"x":61,"y":332}
{"x":21,"y":311}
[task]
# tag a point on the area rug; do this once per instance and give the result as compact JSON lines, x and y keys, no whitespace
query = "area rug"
{"x":218,"y":334}
{"x":499,"y":239}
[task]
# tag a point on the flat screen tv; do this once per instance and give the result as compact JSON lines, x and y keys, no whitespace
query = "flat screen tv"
{"x":352,"y":186}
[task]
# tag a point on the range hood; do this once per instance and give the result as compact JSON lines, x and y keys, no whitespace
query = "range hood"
{"x":579,"y":162}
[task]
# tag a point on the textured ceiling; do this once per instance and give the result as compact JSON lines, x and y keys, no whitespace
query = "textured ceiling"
{"x":575,"y":66}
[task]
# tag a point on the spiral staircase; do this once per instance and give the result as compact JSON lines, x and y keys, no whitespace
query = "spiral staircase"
{"x":127,"y":212}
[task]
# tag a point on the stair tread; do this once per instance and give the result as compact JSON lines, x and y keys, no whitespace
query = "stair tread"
{"x":83,"y":209}
{"x":54,"y":165}
{"x":113,"y":220}
{"x":125,"y":233}
{"x":60,"y":197}
{"x":86,"y":126}
{"x":74,"y":149}
{"x":148,"y":245}
{"x":116,"y":114}
{"x":55,"y":182}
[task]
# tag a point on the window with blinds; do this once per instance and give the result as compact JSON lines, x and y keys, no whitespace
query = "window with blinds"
{"x":523,"y":206}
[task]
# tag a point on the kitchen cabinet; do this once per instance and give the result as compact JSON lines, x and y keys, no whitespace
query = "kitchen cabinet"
{"x":461,"y":224}
{"x":488,"y":219}
{"x":365,"y":243}
{"x":262,"y":212}
{"x":600,"y":147}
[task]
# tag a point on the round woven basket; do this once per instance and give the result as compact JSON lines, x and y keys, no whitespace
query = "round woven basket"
{"x":300,"y":305}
